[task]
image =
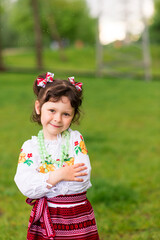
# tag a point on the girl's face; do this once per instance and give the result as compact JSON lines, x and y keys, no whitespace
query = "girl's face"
{"x":56,"y":117}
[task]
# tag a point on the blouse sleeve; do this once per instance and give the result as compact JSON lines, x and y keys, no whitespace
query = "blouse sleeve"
{"x":29,"y":181}
{"x":80,"y":156}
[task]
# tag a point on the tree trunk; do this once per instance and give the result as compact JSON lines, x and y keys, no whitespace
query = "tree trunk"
{"x":55,"y":36}
{"x":54,"y":31}
{"x":145,"y":45}
{"x":38,"y":34}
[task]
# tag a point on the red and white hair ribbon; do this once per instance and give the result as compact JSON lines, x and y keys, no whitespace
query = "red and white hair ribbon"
{"x":41,"y":82}
{"x":77,"y":85}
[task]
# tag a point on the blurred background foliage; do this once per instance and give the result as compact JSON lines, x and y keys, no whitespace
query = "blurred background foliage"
{"x":56,"y":16}
{"x":61,"y":27}
{"x":155,"y":24}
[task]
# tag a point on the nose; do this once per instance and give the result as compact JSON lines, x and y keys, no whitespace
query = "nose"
{"x":57,"y":117}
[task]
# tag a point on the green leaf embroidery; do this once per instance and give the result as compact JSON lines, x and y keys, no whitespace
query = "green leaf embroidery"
{"x":77,"y":149}
{"x":28,"y":162}
{"x":68,"y":159}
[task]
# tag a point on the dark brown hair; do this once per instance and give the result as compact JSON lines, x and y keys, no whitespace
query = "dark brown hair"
{"x":54,"y":91}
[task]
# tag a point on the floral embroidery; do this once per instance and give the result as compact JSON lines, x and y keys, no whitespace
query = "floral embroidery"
{"x":69,"y":161}
{"x":29,"y":161}
{"x":48,"y":166}
{"x":76,"y":143}
{"x":22,"y":158}
{"x":29,"y":155}
{"x":80,"y":147}
{"x":81,"y":137}
{"x":83,"y":147}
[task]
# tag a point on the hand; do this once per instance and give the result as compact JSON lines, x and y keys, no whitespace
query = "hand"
{"x":74,"y":172}
{"x":67,"y":173}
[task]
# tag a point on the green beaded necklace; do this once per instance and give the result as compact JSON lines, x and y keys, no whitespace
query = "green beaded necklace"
{"x":45,"y":157}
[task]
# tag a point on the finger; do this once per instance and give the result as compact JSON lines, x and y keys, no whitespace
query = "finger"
{"x":81,"y":174}
{"x":78,"y":165}
{"x":76,"y":179}
{"x":79,"y":169}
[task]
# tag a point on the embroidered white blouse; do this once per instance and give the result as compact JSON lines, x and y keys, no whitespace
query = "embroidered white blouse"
{"x":32,"y":174}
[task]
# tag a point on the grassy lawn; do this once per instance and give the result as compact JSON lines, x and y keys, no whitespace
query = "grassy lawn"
{"x":81,"y":59}
{"x":121,"y":127}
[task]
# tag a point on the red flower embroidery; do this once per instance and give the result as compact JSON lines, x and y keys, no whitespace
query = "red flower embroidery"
{"x":81,"y":137}
{"x":29,"y":155}
{"x":76,"y":143}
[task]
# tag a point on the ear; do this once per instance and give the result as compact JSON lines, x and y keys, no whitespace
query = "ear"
{"x":37,"y":107}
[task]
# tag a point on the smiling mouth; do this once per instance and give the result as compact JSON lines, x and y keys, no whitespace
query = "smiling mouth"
{"x":55,"y":125}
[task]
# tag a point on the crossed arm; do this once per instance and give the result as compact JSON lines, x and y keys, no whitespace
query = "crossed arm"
{"x":67,"y":173}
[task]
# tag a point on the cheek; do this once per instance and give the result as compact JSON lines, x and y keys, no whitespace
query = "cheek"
{"x":44,"y":118}
{"x":69,"y":121}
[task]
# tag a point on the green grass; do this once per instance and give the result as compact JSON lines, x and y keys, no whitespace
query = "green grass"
{"x":121,"y":127}
{"x":80,"y":60}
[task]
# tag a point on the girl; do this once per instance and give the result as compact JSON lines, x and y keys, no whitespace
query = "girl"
{"x":54,"y":167}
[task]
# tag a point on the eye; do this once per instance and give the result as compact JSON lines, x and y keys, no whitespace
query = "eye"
{"x":52,"y":110}
{"x":66,"y":114}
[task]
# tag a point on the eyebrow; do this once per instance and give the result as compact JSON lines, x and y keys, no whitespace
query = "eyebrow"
{"x":68,"y":111}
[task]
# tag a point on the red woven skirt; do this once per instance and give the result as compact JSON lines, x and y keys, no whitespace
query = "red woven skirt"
{"x":62,"y":223}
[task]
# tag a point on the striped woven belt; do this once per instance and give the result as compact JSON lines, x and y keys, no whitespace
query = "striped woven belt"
{"x":40,"y":209}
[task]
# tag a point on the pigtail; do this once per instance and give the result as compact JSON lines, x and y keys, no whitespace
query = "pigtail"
{"x":36,"y":89}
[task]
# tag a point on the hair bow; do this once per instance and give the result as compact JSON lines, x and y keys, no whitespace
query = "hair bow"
{"x":77,"y":85}
{"x":41,"y":82}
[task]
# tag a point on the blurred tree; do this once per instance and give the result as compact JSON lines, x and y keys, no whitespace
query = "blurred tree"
{"x":38,"y":33}
{"x":62,"y":20}
{"x":155,"y":26}
{"x":22,"y":24}
{"x":73,"y":20}
{"x":53,"y":28}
